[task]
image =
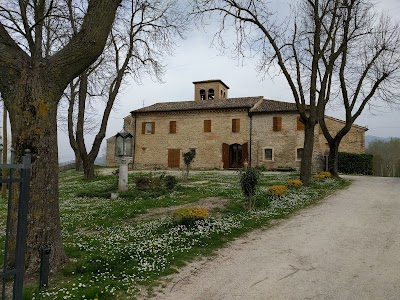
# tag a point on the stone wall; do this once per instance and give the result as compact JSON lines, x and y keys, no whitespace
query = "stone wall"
{"x":151,"y":150}
{"x":284,"y":143}
{"x":353,"y":141}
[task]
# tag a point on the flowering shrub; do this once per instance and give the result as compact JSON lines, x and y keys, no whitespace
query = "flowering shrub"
{"x":278,"y":190}
{"x":295,"y":183}
{"x":189,"y":215}
{"x":322,"y":175}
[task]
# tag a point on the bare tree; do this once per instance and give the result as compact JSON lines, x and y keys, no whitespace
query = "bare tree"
{"x":300,"y":46}
{"x":367,"y":71}
{"x":32,"y":82}
{"x":143,"y":34}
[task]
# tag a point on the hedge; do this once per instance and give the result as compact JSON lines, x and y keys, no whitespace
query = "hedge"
{"x":352,"y":163}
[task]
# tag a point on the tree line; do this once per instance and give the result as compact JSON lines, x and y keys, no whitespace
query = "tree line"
{"x":386,"y":161}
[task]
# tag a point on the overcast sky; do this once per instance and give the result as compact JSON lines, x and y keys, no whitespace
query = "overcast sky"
{"x":195,"y":59}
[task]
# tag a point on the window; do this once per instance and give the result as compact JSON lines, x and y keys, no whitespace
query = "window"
{"x":148,"y":127}
{"x":210,"y":94}
{"x":299,"y":153}
{"x":300,"y":124}
{"x":277,"y":123}
{"x":207,"y":125}
{"x":202,"y":95}
{"x":268,"y":154}
{"x":235,"y":125}
{"x":172,"y":126}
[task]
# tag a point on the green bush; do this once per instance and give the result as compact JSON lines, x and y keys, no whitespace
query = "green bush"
{"x":352,"y":163}
{"x":170,"y":182}
{"x":143,"y":183}
{"x":248,"y":181}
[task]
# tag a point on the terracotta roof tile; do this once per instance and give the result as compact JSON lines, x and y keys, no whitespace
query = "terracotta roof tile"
{"x":274,"y":106}
{"x":245,"y":102}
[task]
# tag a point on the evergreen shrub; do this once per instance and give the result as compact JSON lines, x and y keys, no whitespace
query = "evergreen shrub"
{"x":352,"y":163}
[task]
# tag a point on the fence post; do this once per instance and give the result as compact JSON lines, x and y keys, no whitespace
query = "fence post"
{"x":22,"y":225}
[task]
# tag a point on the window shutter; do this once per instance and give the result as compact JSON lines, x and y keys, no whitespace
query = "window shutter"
{"x":225,"y":155}
{"x":235,"y":125}
{"x":207,"y":125}
{"x":143,"y":127}
{"x":300,"y":124}
{"x":245,"y":152}
{"x":153,"y":127}
{"x":172,"y":126}
{"x":277,"y":123}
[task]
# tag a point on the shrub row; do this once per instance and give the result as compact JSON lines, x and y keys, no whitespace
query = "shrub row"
{"x":351,"y":163}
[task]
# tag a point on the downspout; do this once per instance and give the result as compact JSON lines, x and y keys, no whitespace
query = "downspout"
{"x":134,"y":140}
{"x":251,"y":133}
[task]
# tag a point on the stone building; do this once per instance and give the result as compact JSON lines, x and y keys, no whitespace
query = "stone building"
{"x":225,"y":132}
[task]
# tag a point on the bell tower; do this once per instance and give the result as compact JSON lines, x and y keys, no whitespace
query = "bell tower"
{"x":208,"y":90}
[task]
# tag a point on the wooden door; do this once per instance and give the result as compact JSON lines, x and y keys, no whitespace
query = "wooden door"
{"x":174,"y":158}
{"x":225,"y":155}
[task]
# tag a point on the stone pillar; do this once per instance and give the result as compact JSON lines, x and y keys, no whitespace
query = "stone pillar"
{"x":123,"y":174}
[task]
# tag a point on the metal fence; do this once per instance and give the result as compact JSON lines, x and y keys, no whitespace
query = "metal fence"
{"x":17,"y":270}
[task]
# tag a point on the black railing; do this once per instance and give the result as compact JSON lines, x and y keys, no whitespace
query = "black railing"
{"x":18,"y":267}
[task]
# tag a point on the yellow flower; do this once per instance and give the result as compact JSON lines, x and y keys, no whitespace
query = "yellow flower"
{"x":187,"y":215}
{"x":295,"y":182}
{"x":278,"y":190}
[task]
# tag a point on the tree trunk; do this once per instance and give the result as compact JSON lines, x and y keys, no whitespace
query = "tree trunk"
{"x":88,"y":168}
{"x":333,"y":158}
{"x":306,"y":160}
{"x":33,"y":117}
{"x":5,"y":148}
{"x":78,"y":161}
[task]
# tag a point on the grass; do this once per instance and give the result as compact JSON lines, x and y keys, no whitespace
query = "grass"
{"x":112,"y":252}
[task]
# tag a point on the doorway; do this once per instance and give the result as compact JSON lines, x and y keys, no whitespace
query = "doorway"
{"x":234,"y":155}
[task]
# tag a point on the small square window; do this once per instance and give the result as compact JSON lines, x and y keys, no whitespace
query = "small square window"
{"x":299,"y":153}
{"x":149,"y":127}
{"x":268,"y":154}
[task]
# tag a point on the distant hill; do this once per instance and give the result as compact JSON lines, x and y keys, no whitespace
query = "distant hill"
{"x":370,"y":138}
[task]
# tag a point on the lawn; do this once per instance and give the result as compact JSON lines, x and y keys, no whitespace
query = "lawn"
{"x":118,"y":245}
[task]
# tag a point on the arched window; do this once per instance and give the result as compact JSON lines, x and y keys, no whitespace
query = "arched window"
{"x":202,"y":95}
{"x":210,"y":94}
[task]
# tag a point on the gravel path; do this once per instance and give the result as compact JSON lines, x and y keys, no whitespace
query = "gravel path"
{"x":346,"y":247}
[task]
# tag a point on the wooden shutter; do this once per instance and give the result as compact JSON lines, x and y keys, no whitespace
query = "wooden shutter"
{"x":225,"y":155}
{"x":174,"y":158}
{"x":143,"y":127}
{"x":207,"y":125}
{"x":277,"y":123}
{"x":300,"y":124}
{"x":153,"y":127}
{"x":245,"y":152}
{"x":172,"y":126}
{"x":235,"y":125}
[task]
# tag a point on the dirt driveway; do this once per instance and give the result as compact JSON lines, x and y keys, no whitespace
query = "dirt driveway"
{"x":346,"y":247}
